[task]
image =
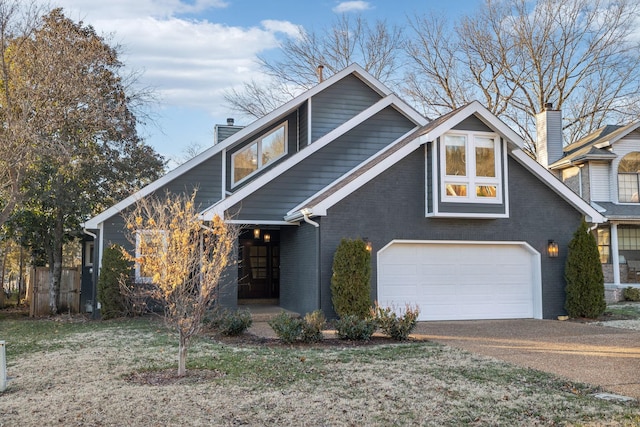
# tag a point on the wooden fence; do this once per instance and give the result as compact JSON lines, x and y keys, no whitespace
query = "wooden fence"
{"x":38,"y":291}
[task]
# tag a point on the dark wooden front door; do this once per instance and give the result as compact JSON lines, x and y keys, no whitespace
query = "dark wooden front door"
{"x":259,"y":265}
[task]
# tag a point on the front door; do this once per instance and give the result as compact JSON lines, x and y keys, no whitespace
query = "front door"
{"x":259,"y":265}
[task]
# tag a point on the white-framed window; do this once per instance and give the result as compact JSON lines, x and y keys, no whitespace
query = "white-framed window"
{"x":261,"y":152}
{"x":470,"y":165}
{"x":629,"y":178}
{"x":147,"y":244}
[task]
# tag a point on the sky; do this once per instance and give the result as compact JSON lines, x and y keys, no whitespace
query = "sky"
{"x":189,"y":52}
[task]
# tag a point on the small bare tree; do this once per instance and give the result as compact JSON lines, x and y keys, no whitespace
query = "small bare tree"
{"x":184,"y":259}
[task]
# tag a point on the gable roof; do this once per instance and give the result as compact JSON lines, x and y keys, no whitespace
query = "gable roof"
{"x":594,"y":146}
{"x":256,"y":126}
{"x":318,"y":204}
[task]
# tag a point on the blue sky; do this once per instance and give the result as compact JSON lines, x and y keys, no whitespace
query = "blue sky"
{"x":191,"y":51}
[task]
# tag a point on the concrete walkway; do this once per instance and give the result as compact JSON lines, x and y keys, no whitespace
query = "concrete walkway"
{"x":599,"y":355}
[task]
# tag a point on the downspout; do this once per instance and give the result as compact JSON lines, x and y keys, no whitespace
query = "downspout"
{"x":305,"y":216}
{"x":94,"y":273}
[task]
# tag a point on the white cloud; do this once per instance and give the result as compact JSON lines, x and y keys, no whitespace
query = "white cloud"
{"x":285,"y":27}
{"x":351,"y":6}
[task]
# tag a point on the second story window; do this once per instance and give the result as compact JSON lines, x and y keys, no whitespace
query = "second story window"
{"x":471,"y":167}
{"x":629,"y":178}
{"x":259,"y":154}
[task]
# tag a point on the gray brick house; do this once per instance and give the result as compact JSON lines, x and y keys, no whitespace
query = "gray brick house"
{"x":460,"y":219}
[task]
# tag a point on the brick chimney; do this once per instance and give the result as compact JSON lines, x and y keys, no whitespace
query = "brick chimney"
{"x":549,"y":135}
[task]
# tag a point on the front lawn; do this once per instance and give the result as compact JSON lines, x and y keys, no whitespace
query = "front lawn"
{"x":121,"y":373}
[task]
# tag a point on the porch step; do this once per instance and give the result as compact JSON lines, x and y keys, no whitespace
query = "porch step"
{"x":264,"y":313}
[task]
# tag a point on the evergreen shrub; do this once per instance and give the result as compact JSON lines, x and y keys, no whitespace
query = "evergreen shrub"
{"x":350,"y":281}
{"x":584,"y":277}
{"x":393,"y":325}
{"x":229,"y":323}
{"x":631,"y":294}
{"x":287,"y":328}
{"x":354,"y":328}
{"x":115,"y":270}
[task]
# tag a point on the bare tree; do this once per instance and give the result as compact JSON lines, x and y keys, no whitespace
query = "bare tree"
{"x":515,"y":56}
{"x":377,"y":47}
{"x":184,"y":258}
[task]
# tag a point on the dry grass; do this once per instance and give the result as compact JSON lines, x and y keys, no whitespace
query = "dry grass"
{"x":122,"y":373}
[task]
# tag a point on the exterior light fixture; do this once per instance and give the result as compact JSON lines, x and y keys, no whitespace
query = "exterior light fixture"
{"x":256,"y":233}
{"x":267,"y":237}
{"x":368,"y":244}
{"x":552,"y":249}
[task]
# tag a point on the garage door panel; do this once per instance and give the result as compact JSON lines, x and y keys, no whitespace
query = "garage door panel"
{"x":458,"y":280}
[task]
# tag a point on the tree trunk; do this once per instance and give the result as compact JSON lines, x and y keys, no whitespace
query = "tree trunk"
{"x":55,"y":269}
{"x":182,"y":355}
{"x":4,"y":264}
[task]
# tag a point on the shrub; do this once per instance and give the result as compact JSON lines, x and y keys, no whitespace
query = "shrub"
{"x":583,"y":273}
{"x":397,"y":327}
{"x":229,"y":323}
{"x":287,"y":328}
{"x":312,"y":326}
{"x":350,"y":281}
{"x":115,"y":271}
{"x":354,"y":328}
{"x":631,"y":294}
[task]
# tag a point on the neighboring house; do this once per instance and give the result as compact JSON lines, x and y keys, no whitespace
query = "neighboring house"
{"x":458,"y":216}
{"x":604,"y":169}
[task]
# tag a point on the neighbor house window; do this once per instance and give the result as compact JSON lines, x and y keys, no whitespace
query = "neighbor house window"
{"x":604,"y":245}
{"x":629,"y":178}
{"x":471,"y":167}
{"x":259,"y":153}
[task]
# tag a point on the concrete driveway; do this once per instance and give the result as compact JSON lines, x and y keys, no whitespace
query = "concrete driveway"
{"x":598,"y":355}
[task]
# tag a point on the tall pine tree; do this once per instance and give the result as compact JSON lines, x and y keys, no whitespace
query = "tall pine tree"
{"x":583,"y":273}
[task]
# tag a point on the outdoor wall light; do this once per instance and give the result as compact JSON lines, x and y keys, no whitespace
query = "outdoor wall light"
{"x":267,"y":237}
{"x":368,"y":244}
{"x":256,"y":233}
{"x":552,"y":249}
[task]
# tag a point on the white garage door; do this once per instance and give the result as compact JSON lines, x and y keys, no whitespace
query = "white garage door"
{"x":461,"y":281}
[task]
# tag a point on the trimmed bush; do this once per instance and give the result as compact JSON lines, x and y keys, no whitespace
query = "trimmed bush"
{"x":229,"y":323}
{"x":355,"y":328}
{"x":312,"y":326}
{"x":397,"y":327}
{"x":583,"y":273}
{"x":631,"y":294}
{"x":350,"y":281}
{"x":115,"y":270}
{"x":287,"y":328}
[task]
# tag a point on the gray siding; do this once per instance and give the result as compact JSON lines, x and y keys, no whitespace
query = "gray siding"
{"x":339,"y":103}
{"x":474,"y":124}
{"x":275,"y":199}
{"x":206,"y":177}
{"x":299,"y":268}
{"x":537,"y":215}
